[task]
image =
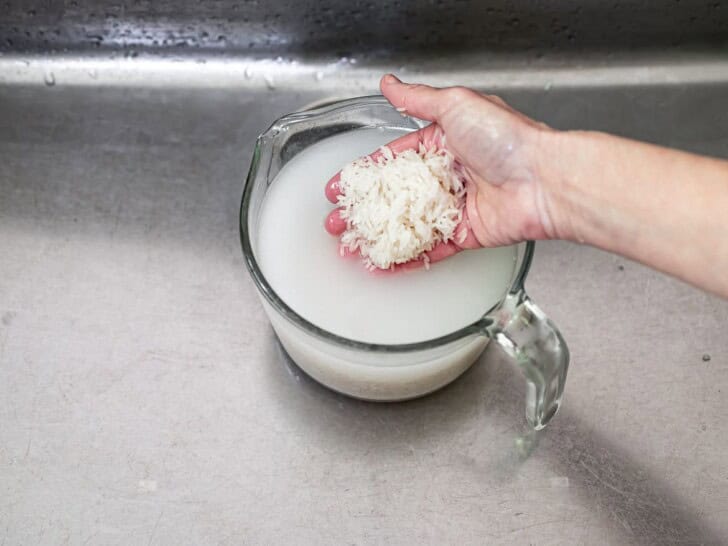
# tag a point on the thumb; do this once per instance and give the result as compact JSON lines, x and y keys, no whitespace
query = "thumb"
{"x":418,"y":100}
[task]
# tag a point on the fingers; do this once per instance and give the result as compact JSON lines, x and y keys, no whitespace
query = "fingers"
{"x":430,"y":137}
{"x":432,"y":103}
{"x":464,"y":239}
{"x":439,"y":252}
{"x":334,"y":223}
{"x":464,"y":236}
{"x":410,"y":141}
{"x":420,"y":101}
{"x":442,"y":250}
{"x":332,"y":188}
{"x":346,"y":253}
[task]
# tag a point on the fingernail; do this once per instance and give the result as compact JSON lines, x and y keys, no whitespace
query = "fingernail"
{"x":390,"y":79}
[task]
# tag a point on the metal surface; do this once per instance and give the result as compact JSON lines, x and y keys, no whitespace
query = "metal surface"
{"x":371,"y":27}
{"x":143,"y":397}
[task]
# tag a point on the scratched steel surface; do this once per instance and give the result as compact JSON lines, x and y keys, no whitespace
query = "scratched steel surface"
{"x":143,"y":397}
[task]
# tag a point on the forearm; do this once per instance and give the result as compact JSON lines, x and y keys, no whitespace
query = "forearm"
{"x":662,"y":207}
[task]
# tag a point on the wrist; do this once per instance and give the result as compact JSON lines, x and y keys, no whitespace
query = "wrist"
{"x":563,"y":181}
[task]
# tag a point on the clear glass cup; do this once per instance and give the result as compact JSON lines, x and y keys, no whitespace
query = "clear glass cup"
{"x":396,"y":372}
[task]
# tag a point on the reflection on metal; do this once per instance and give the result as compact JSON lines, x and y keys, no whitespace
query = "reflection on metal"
{"x":268,"y":74}
{"x":372,"y":28}
{"x":142,"y":394}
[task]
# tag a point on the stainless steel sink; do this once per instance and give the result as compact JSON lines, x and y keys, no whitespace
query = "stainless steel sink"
{"x":143,"y":397}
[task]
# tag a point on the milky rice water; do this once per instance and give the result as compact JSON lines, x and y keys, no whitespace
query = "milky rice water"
{"x":301,"y":262}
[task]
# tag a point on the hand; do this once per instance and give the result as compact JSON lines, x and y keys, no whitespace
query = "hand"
{"x":662,"y":207}
{"x":499,"y":153}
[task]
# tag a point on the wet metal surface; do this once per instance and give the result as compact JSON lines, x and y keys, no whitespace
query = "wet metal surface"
{"x":144,"y":399}
{"x":370,"y":27}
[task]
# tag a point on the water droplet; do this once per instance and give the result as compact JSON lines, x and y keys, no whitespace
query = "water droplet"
{"x":548,"y":86}
{"x":49,"y":79}
{"x":93,"y":74}
{"x":269,"y":82}
{"x":248,"y":72}
{"x":706,"y":357}
{"x":319,"y":76}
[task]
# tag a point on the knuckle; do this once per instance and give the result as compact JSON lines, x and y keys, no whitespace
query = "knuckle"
{"x":460,"y":94}
{"x":458,"y":97}
{"x":495,"y":99}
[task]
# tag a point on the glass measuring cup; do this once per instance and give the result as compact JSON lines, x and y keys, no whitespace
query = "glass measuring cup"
{"x":396,"y":371}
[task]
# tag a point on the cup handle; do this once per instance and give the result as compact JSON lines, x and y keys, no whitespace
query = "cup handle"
{"x":536,"y":345}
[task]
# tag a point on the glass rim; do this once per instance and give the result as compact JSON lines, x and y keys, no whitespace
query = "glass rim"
{"x":476,"y":327}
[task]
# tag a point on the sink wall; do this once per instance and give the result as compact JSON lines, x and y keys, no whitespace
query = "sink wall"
{"x":371,"y":27}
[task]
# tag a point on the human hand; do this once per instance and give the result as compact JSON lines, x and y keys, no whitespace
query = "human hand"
{"x":498,"y":152}
{"x":526,"y":181}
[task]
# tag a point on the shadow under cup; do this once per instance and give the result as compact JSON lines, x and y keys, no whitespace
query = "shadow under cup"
{"x":396,"y":372}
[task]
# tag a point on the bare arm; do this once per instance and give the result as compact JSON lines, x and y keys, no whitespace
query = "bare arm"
{"x":665,"y":208}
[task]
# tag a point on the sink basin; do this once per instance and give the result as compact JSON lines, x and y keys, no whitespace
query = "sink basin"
{"x":143,"y":396}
